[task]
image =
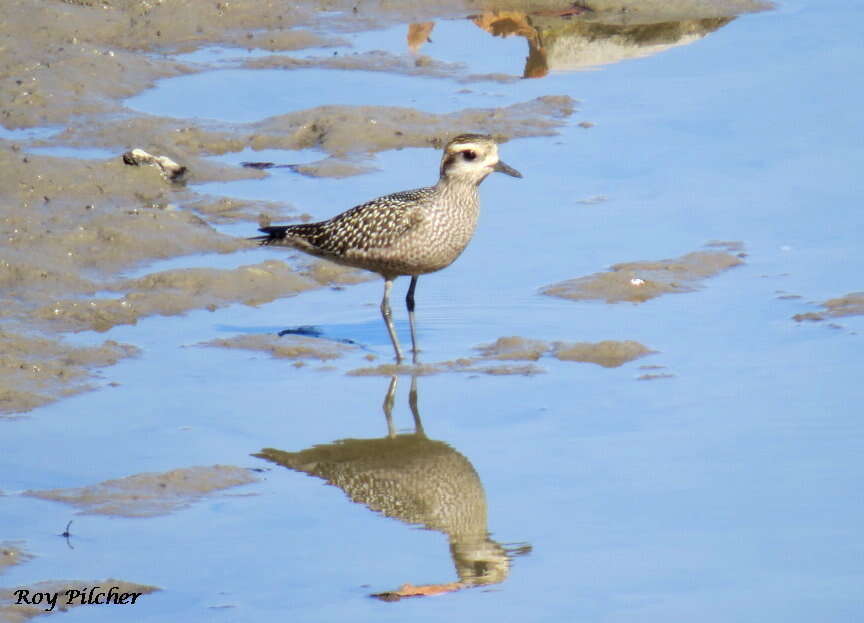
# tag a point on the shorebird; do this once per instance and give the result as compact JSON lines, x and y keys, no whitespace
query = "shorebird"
{"x":412,"y":233}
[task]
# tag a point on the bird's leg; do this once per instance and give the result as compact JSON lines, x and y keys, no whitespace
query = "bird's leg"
{"x":409,"y":302}
{"x":388,"y":319}
{"x":389,"y":398}
{"x":415,"y":411}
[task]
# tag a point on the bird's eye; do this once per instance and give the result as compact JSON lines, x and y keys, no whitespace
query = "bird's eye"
{"x":469,"y":155}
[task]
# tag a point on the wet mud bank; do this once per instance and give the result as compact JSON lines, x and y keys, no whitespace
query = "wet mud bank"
{"x":72,"y":226}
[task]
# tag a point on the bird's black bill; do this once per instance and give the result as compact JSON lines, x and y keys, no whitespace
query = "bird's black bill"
{"x":506,"y":168}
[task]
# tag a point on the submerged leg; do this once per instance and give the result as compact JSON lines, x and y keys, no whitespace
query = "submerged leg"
{"x":409,"y":302}
{"x":388,"y":318}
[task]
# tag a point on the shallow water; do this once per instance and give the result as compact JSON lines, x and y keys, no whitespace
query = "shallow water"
{"x":729,"y":490}
{"x":255,"y":95}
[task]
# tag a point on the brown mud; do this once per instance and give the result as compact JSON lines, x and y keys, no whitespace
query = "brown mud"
{"x":851,"y":304}
{"x":36,"y":370}
{"x":285,"y":347}
{"x":149,"y":495}
{"x":607,"y":353}
{"x":637,"y":282}
{"x":11,"y":554}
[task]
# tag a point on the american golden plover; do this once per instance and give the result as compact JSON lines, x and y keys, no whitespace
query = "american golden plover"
{"x":412,"y":232}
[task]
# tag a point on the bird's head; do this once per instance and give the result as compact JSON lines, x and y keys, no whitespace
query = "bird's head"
{"x":471,"y":157}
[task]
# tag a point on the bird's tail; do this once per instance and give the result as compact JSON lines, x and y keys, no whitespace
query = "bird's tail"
{"x":304,"y":236}
{"x":272,"y":235}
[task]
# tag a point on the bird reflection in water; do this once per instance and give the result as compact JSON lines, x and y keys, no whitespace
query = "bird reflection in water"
{"x":417,"y":481}
{"x":574,"y":37}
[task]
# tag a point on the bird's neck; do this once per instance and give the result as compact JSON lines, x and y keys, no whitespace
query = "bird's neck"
{"x":458,"y":183}
{"x":458,"y":191}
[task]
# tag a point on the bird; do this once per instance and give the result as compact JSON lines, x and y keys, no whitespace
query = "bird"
{"x":410,"y":233}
